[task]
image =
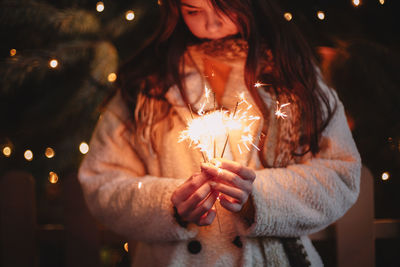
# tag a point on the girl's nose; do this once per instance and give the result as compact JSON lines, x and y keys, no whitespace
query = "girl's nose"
{"x":214,"y":22}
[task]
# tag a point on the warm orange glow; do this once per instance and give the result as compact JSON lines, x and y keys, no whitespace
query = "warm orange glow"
{"x":7,"y":151}
{"x":288,"y":16}
{"x":49,"y":153}
{"x":356,"y":2}
{"x":100,"y":6}
{"x":28,"y":155}
{"x":13,"y":52}
{"x":53,"y":63}
{"x":385,"y":176}
{"x":84,"y":148}
{"x":112,"y":77}
{"x":126,"y":246}
{"x":209,"y":131}
{"x":130,"y":15}
{"x":53,"y":177}
{"x":382,"y":2}
{"x":321,"y":15}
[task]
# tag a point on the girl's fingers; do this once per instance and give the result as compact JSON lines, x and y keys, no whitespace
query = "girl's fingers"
{"x":235,"y":167}
{"x":184,"y":191}
{"x":227,"y":177}
{"x":229,"y":204}
{"x":238,"y":195}
{"x":186,"y":208}
{"x":207,"y":218}
{"x":203,"y":207}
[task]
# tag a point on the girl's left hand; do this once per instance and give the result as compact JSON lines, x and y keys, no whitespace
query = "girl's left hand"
{"x":233,"y":180}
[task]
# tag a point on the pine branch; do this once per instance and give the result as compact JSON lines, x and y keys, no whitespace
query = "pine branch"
{"x":46,"y":19}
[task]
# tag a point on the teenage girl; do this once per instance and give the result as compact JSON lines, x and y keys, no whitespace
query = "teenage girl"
{"x":257,"y":207}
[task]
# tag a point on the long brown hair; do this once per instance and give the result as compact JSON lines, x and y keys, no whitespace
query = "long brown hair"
{"x":262,"y":25}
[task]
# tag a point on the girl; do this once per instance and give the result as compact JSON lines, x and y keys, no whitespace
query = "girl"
{"x":141,"y":183}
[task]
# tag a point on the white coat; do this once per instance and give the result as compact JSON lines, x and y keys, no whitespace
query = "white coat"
{"x":128,"y":187}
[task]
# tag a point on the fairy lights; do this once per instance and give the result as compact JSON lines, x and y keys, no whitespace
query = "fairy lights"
{"x":28,"y":155}
{"x":7,"y":151}
{"x":53,"y":177}
{"x":49,"y":153}
{"x":129,"y":15}
{"x":13,"y":52}
{"x":382,"y":2}
{"x":126,"y":246}
{"x":288,"y":16}
{"x":53,"y":63}
{"x":112,"y":77}
{"x":84,"y":148}
{"x":321,"y":15}
{"x":356,"y":3}
{"x":100,"y":6}
{"x":385,"y":176}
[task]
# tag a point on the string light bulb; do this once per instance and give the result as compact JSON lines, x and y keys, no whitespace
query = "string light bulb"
{"x":321,"y":15}
{"x":356,"y":2}
{"x":49,"y":153}
{"x":382,"y":2}
{"x":100,"y":6}
{"x":126,"y":246}
{"x":288,"y":16}
{"x":129,"y":15}
{"x":28,"y":155}
{"x":7,"y":151}
{"x":84,"y":148}
{"x":53,"y":63}
{"x":385,"y":176}
{"x":53,"y":177}
{"x":13,"y":52}
{"x":112,"y":77}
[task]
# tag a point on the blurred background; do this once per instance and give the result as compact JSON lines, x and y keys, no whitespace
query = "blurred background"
{"x":58,"y":62}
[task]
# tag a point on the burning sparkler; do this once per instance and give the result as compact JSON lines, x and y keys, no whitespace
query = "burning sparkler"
{"x":278,"y":111}
{"x":208,"y":128}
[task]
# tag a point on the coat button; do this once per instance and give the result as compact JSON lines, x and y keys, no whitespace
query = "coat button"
{"x":194,"y":247}
{"x":237,"y":242}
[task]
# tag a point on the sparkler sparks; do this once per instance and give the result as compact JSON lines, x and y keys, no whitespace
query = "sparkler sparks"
{"x":208,"y":128}
{"x":278,"y":111}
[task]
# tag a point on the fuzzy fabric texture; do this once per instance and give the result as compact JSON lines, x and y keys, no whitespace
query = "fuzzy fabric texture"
{"x":128,"y":186}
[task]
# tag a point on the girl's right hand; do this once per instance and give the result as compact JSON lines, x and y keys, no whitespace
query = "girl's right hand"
{"x":194,"y":200}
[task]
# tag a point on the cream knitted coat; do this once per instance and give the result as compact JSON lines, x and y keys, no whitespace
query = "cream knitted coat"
{"x":128,"y":186}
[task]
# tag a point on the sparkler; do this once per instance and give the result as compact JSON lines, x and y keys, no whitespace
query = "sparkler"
{"x":207,"y":128}
{"x":278,"y":111}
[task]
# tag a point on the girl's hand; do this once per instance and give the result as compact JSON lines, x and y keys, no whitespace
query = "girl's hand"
{"x":194,"y":200}
{"x":233,"y":180}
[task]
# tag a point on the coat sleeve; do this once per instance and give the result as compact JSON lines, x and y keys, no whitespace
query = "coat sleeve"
{"x":117,"y":190}
{"x":304,"y":198}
